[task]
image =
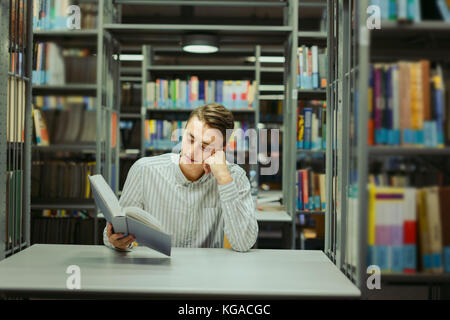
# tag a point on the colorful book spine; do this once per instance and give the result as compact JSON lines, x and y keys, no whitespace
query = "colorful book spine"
{"x":307,"y":116}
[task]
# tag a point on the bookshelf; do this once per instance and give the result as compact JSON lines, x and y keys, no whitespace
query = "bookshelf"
{"x":15,"y":130}
{"x":356,"y":54}
{"x":312,"y":159}
{"x":100,"y":124}
{"x":108,"y":29}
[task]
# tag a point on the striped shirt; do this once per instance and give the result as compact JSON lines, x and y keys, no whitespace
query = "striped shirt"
{"x":198,"y":213}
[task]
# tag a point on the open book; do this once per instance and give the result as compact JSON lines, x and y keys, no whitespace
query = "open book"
{"x":129,"y":220}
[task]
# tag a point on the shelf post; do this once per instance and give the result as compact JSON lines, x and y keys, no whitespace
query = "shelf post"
{"x":362,"y":149}
{"x":4,"y":66}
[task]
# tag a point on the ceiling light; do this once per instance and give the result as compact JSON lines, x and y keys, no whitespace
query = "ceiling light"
{"x":200,"y":43}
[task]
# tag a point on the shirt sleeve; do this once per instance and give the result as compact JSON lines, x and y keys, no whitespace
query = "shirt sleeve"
{"x":131,"y":197}
{"x":240,"y":224}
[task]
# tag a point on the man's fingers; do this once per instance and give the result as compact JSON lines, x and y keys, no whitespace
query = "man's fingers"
{"x":115,"y":236}
{"x":125,"y":242}
{"x":109,"y":230}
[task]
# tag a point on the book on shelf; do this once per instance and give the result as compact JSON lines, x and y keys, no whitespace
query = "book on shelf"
{"x":73,"y":122}
{"x":130,"y":133}
{"x":130,"y":97}
{"x":311,"y":67}
{"x":15,"y":112}
{"x":192,"y":93}
{"x":239,"y":139}
{"x":40,"y":127}
{"x":64,"y":227}
{"x":52,"y":102}
{"x":16,"y":63}
{"x":130,"y":220}
{"x":14,"y":214}
{"x":113,"y":129}
{"x":18,"y":9}
{"x":310,"y":190}
{"x":53,"y":65}
{"x":271,"y":110}
{"x":409,"y":229}
{"x":311,"y":125}
{"x":64,"y":213}
{"x":413,"y":10}
{"x":165,"y":134}
{"x":59,"y":15}
{"x":61,"y":179}
{"x":407,"y":105}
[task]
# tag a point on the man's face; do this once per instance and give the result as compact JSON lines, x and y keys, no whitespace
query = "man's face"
{"x":200,"y":141}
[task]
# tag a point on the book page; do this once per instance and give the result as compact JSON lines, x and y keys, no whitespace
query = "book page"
{"x":142,"y":216}
{"x":109,"y":204}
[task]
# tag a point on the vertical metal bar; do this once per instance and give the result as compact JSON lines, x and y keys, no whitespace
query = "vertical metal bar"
{"x":28,"y":124}
{"x":285,"y":106}
{"x":108,"y":105}
{"x":145,"y":78}
{"x":329,"y":149}
{"x":15,"y":137}
{"x":344,"y":164}
{"x":256,"y":108}
{"x":292,"y":114}
{"x":4,"y":79}
{"x":99,"y":111}
{"x":117,"y":107}
{"x":362,"y":153}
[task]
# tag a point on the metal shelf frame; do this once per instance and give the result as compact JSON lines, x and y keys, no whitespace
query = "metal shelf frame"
{"x":352,"y":47}
{"x":15,"y":155}
{"x":106,"y":89}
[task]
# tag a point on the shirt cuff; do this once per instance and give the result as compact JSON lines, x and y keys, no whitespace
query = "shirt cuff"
{"x":228,"y":191}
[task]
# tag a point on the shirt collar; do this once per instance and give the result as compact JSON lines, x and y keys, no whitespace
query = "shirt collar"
{"x":180,"y":177}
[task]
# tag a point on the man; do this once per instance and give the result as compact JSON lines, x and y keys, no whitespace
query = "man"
{"x":196,"y":195}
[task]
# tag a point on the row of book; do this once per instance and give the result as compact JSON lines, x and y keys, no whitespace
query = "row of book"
{"x":14,"y":200}
{"x":68,"y":126}
{"x":311,"y":125}
{"x":311,"y":67}
{"x":407,"y":105}
{"x":15,"y":110}
{"x":18,"y":9}
{"x":130,"y":96}
{"x":413,"y":10}
{"x":271,"y":110}
{"x":63,"y":102}
{"x":59,"y":15}
{"x":16,"y":63}
{"x":191,"y":93}
{"x":63,"y":213}
{"x":409,"y":229}
{"x":61,"y":179}
{"x":165,"y":135}
{"x":64,"y":230}
{"x":310,"y":190}
{"x":55,"y":66}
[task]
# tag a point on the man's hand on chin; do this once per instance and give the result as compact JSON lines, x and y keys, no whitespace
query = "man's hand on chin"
{"x":217,"y":164}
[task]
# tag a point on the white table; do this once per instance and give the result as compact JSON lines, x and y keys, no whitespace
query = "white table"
{"x":40,"y":271}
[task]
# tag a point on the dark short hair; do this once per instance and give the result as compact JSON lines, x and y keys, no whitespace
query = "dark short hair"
{"x":215,"y":116}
